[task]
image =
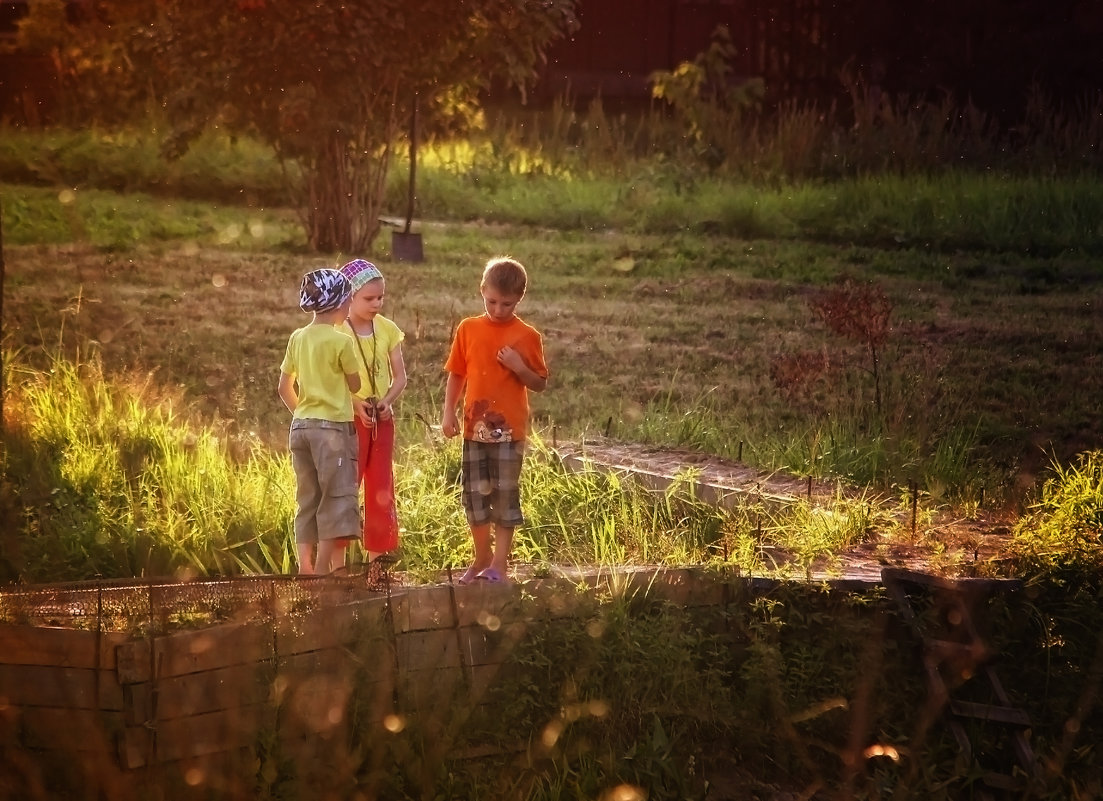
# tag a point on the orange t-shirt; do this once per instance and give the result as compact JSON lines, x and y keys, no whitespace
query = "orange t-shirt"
{"x":495,"y":402}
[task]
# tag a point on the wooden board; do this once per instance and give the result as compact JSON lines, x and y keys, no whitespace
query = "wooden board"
{"x":67,"y":688}
{"x":198,"y":693}
{"x":83,"y":730}
{"x":194,"y":736}
{"x":335,"y":626}
{"x":424,"y":650}
{"x":194,"y":651}
{"x":32,"y":645}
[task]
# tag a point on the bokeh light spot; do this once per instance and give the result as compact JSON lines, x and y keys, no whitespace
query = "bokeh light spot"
{"x":882,"y":750}
{"x":231,"y":233}
{"x":625,"y":792}
{"x":488,"y":621}
{"x":551,"y":734}
{"x":598,"y":708}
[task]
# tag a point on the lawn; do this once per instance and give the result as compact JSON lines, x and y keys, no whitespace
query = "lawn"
{"x":925,"y":336}
{"x":989,"y":367}
{"x":143,"y":437}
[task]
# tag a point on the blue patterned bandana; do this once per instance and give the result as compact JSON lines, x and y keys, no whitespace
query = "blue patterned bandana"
{"x":323,"y":290}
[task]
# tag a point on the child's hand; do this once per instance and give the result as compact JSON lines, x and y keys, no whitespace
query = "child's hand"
{"x":511,"y":359}
{"x":384,"y":410}
{"x":515,"y":363}
{"x":450,"y":425}
{"x":363,"y":411}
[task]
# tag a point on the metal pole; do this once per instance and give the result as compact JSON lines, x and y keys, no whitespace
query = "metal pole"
{"x":413,"y":165}
{"x":915,"y":504}
{"x":3,"y":439}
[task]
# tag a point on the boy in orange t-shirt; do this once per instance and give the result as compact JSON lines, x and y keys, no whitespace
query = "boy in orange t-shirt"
{"x":495,"y":359}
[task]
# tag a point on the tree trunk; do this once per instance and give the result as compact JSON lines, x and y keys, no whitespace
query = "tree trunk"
{"x":346,"y":182}
{"x":329,"y":228}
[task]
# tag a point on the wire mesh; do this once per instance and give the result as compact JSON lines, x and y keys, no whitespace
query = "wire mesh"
{"x":163,"y":604}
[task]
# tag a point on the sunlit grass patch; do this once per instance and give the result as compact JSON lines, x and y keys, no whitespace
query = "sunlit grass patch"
{"x":113,"y":483}
{"x":1063,"y":527}
{"x":110,"y":221}
{"x":218,"y":167}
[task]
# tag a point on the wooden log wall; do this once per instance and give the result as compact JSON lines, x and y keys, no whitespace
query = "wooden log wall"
{"x":301,"y":701}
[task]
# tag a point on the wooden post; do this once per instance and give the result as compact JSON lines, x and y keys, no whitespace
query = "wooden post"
{"x":406,"y":246}
{"x":3,"y":458}
{"x":915,"y":503}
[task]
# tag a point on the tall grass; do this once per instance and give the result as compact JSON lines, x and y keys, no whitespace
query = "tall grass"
{"x":105,"y":477}
{"x":1063,"y":527}
{"x":900,"y":173}
{"x":871,"y":135}
{"x":834,"y":441}
{"x":220,"y":168}
{"x":608,"y":519}
{"x":115,"y":222}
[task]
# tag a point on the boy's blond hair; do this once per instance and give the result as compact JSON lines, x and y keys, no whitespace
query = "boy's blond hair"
{"x":507,"y":275}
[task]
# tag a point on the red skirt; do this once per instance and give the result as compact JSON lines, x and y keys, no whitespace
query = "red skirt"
{"x":375,"y":469}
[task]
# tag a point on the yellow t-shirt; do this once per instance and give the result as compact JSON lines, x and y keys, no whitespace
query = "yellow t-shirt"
{"x":319,"y":357}
{"x":374,"y":355}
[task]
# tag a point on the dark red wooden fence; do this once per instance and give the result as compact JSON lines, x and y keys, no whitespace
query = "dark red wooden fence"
{"x":986,"y":50}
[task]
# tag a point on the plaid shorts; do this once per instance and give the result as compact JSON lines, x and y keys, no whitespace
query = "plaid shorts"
{"x":491,"y":483}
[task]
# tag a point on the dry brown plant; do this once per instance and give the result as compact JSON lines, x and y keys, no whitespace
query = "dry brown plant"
{"x":860,"y":313}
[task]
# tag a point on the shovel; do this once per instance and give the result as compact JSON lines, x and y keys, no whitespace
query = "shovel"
{"x":406,"y":246}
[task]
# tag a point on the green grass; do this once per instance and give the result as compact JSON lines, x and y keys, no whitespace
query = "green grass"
{"x":143,"y":332}
{"x":678,"y":307}
{"x":109,"y":481}
{"x":987,"y":362}
{"x":1063,"y":528}
{"x":118,"y":222}
{"x":530,"y":178}
{"x":112,"y":483}
{"x":105,"y":478}
{"x":219,"y":168}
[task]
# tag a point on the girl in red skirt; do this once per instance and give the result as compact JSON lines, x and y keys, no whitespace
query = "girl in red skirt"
{"x":378,"y":345}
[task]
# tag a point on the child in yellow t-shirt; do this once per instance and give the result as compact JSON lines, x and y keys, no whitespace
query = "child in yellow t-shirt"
{"x":318,"y":375}
{"x":382,"y":378}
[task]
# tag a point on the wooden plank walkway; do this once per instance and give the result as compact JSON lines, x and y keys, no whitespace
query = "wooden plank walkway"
{"x":719,"y":481}
{"x":954,"y":546}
